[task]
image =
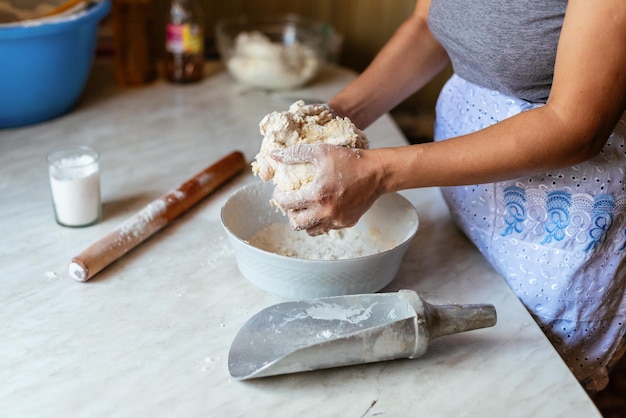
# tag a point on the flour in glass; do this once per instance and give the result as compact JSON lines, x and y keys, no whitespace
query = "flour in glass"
{"x":75,"y":186}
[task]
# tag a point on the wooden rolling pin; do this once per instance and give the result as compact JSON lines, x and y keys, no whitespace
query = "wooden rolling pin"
{"x":153,"y":217}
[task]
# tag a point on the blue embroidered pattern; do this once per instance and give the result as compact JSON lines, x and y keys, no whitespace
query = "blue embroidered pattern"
{"x":558,"y":216}
{"x":558,"y":204}
{"x":602,"y":213}
{"x":514,"y":201}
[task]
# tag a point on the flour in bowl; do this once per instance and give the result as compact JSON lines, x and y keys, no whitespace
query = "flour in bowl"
{"x":335,"y":245}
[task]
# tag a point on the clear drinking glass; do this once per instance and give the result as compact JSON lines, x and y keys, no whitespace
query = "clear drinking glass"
{"x":75,"y":186}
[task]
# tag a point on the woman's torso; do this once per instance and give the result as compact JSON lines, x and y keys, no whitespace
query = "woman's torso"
{"x":504,"y":45}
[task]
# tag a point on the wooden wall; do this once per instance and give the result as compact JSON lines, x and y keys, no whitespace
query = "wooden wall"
{"x":365,"y":25}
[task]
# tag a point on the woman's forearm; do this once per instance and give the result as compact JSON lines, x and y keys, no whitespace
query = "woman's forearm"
{"x":587,"y":99}
{"x":502,"y":151}
{"x":408,"y":61}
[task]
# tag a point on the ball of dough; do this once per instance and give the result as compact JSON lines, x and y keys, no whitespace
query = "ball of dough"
{"x":301,"y":124}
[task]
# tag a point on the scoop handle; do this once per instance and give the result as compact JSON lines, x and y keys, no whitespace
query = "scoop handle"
{"x":452,"y":319}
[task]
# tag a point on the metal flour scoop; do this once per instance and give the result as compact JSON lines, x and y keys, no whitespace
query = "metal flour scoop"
{"x":343,"y":330}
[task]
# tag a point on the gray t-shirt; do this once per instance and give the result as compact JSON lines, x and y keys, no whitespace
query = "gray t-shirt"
{"x":504,"y":45}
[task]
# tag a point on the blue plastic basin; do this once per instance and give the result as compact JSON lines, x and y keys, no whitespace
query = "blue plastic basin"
{"x":44,"y":68}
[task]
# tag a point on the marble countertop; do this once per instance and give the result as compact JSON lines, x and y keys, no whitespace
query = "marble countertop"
{"x":149,"y":335}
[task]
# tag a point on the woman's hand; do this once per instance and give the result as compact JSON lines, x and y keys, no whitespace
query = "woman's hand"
{"x":346,"y":183}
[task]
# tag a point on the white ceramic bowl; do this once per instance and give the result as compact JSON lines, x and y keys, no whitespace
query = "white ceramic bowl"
{"x":248,"y":211}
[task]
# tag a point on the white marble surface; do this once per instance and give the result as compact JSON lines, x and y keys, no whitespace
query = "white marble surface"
{"x":149,"y":335}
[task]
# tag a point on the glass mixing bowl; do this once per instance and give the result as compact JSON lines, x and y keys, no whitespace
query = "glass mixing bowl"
{"x":274,"y":52}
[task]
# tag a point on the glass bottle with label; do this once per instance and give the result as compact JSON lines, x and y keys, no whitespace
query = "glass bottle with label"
{"x":184,"y":42}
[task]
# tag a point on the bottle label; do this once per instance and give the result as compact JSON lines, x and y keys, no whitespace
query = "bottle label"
{"x":184,"y":38}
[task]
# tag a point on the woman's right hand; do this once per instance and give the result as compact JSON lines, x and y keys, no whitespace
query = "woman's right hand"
{"x":347,"y":182}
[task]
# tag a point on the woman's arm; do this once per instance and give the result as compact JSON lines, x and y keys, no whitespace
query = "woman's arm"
{"x":410,"y":59}
{"x":587,"y":98}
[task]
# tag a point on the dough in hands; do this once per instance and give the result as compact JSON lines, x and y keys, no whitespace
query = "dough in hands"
{"x":301,"y":124}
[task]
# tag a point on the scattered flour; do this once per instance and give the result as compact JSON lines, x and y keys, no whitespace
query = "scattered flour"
{"x":136,"y":226}
{"x":334,"y":312}
{"x":335,"y":245}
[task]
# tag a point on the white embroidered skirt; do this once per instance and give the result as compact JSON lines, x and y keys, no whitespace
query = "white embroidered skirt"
{"x":557,"y":238}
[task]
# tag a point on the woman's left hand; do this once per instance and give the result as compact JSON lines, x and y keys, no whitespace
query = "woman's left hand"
{"x":345,"y":185}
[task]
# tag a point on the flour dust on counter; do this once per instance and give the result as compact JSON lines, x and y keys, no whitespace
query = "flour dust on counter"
{"x":219,"y":249}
